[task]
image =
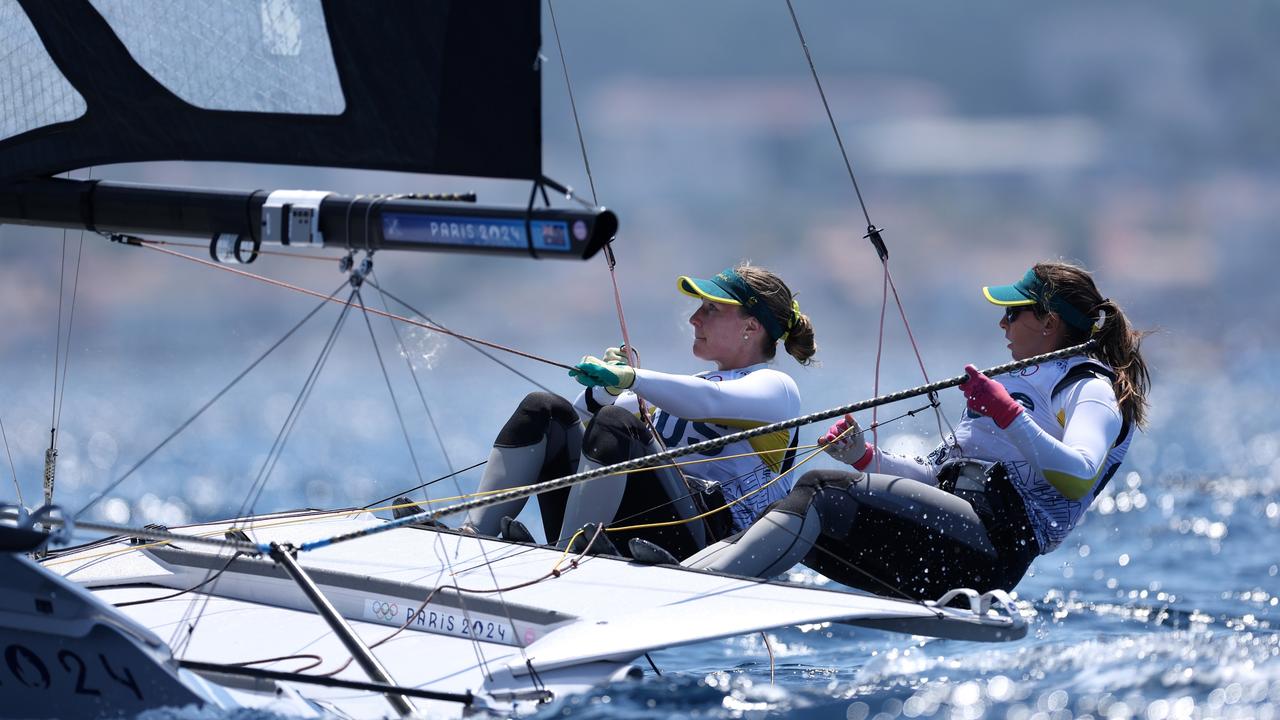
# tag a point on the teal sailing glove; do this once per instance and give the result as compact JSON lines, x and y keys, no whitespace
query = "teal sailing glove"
{"x":593,"y":372}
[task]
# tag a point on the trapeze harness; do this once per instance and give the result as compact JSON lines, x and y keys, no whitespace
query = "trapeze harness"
{"x":545,"y":439}
{"x":923,"y":526}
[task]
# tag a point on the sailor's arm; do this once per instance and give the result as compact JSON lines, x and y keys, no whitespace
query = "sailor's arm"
{"x":765,"y":395}
{"x":1074,"y":464}
{"x":589,"y":402}
{"x":846,"y":442}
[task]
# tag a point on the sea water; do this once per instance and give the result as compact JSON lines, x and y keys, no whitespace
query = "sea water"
{"x":1164,"y":604}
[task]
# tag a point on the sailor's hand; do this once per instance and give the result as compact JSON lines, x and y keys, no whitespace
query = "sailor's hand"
{"x":988,"y":397}
{"x":593,"y":372}
{"x":619,"y":355}
{"x":845,"y":442}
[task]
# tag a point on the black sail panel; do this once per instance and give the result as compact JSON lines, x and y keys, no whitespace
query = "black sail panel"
{"x":430,"y":86}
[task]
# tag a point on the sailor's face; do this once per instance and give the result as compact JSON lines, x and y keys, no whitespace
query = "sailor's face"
{"x":718,"y":330}
{"x":1028,"y":334}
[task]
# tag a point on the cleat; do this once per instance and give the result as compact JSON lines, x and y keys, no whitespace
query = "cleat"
{"x":647,"y":553}
{"x":515,"y":531}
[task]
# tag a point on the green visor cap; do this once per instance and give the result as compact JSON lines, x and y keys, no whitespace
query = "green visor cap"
{"x":728,"y":288}
{"x":1030,"y":290}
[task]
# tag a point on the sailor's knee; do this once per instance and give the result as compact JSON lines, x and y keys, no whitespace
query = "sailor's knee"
{"x":806,"y":489}
{"x":612,"y":417}
{"x":528,"y":424}
{"x":819,"y":479}
{"x":612,"y":435}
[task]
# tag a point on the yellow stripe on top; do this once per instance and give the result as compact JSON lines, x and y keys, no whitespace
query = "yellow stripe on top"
{"x":772,"y":448}
{"x":1071,"y":487}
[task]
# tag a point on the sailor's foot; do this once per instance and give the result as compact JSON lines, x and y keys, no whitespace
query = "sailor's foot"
{"x":592,"y":540}
{"x":515,"y":531}
{"x":647,"y":553}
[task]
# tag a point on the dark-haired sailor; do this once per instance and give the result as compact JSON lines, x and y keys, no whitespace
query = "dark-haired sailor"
{"x":1031,"y":452}
{"x":744,"y":314}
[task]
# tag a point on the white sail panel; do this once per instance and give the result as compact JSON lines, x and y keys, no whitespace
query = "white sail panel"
{"x":33,"y":91}
{"x":271,"y":56}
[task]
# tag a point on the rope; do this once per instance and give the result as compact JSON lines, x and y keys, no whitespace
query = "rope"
{"x":370,"y":282}
{"x":873,"y":234}
{"x":292,"y":255}
{"x":281,"y":284}
{"x":697,"y":448}
{"x":611,"y":260}
{"x":112,"y":486}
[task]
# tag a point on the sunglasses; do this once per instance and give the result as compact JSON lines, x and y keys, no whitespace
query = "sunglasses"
{"x":1011,"y":313}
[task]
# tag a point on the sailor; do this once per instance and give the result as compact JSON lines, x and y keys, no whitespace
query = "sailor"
{"x":745,"y":312}
{"x":1032,"y":451}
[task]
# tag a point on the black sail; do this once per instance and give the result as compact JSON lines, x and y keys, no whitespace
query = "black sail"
{"x":430,"y":86}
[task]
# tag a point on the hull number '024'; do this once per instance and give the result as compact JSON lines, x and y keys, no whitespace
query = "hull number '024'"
{"x":28,"y":669}
{"x":408,"y":615}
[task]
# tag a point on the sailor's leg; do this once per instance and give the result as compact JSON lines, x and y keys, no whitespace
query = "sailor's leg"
{"x":614,"y":436}
{"x":539,"y":442}
{"x":899,"y":537}
{"x":775,"y":542}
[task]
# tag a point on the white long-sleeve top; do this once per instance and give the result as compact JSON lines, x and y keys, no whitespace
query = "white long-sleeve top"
{"x":687,"y":409}
{"x":1057,"y":453}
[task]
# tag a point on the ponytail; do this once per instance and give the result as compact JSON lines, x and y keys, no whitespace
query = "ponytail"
{"x":798,"y":335}
{"x":1118,"y":343}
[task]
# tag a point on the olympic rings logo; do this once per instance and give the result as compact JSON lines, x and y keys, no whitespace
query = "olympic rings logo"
{"x":384,"y":610}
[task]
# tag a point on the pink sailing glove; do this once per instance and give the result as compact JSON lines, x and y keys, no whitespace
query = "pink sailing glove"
{"x":988,"y":397}
{"x":844,"y":441}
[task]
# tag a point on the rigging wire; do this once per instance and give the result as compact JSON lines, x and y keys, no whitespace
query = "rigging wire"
{"x":280,"y":283}
{"x":372,"y":507}
{"x":71,"y":318}
{"x":700,"y":447}
{"x":291,"y":419}
{"x":218,"y":395}
{"x":184,"y":630}
{"x":431,"y":418}
{"x":441,"y":553}
{"x":17,"y":486}
{"x":611,"y":260}
{"x":372,"y":283}
{"x":59,"y":392}
{"x":873,"y":233}
{"x":813,"y":69}
{"x":395,"y":404}
{"x":57,"y":352}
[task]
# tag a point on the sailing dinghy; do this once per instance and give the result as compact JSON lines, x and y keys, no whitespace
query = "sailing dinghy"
{"x":317,"y":613}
